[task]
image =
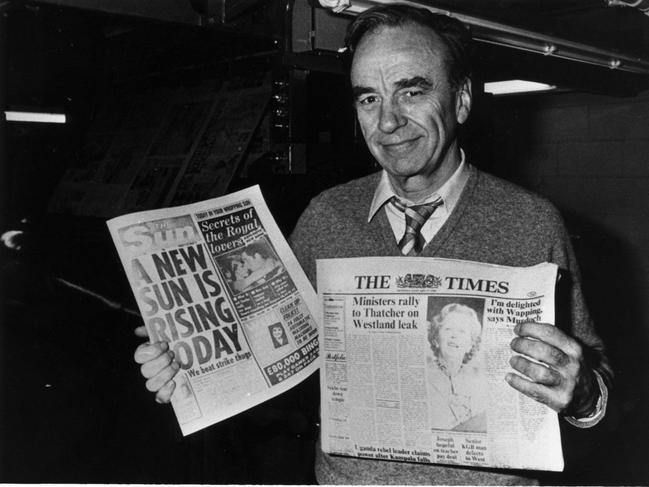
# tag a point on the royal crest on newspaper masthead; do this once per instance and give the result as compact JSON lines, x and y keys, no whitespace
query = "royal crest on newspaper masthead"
{"x":428,"y":281}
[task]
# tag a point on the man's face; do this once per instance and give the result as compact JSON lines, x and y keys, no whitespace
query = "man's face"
{"x":240,"y":269}
{"x":253,"y":262}
{"x":406,"y":108}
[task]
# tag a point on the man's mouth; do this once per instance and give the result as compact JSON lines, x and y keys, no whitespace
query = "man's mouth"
{"x":399,"y":146}
{"x":391,"y":143}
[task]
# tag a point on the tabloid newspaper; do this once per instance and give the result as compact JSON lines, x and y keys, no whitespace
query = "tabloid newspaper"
{"x":218,"y":281}
{"x":415,"y":352}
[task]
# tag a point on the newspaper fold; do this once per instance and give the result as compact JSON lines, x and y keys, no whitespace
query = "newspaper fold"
{"x":218,"y":281}
{"x":415,"y":352}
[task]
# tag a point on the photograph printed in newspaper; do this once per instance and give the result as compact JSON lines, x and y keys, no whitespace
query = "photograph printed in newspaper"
{"x":219,"y":283}
{"x":415,"y":353}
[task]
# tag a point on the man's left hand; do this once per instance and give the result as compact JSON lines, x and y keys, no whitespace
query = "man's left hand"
{"x":562,"y":380}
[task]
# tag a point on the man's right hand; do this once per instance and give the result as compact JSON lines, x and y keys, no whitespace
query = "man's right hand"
{"x":157,"y":366}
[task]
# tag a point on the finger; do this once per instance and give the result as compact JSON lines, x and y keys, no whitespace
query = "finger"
{"x":148,"y":351}
{"x":540,"y":351}
{"x":154,"y":366}
{"x":155,"y":383}
{"x":163,"y":395}
{"x":549,"y":334}
{"x":536,"y":372}
{"x":532,"y":390}
{"x":140,"y":331}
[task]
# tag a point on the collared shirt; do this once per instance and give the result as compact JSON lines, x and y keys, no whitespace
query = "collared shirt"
{"x":449,"y":192}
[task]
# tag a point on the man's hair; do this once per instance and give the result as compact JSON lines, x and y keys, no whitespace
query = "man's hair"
{"x":257,"y":248}
{"x":454,"y":35}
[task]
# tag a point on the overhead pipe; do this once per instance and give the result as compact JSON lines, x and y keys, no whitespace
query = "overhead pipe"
{"x":642,"y":5}
{"x":501,"y":34}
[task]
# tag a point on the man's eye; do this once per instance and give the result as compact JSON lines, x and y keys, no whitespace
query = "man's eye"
{"x":368,"y":100}
{"x":412,"y":93}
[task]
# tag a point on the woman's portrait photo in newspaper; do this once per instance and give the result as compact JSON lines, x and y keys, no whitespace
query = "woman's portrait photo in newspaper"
{"x":254,"y":264}
{"x":455,"y":365}
{"x":278,"y":335}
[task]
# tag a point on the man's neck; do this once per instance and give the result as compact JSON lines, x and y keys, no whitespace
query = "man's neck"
{"x":419,"y":187}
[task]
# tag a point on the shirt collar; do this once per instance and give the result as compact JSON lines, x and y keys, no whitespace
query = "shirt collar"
{"x":449,"y":192}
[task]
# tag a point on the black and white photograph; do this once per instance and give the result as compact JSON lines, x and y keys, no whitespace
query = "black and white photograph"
{"x":455,"y":365}
{"x":278,"y":335}
{"x":507,"y":133}
{"x":254,"y":264}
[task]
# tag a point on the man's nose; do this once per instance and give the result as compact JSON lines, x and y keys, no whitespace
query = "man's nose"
{"x":390,"y":117}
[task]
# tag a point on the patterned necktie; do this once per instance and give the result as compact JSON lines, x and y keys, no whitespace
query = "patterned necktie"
{"x":412,"y":242}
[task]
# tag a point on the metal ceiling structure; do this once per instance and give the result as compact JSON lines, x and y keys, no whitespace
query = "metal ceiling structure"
{"x":527,"y":27}
{"x":585,"y":45}
{"x":586,"y":31}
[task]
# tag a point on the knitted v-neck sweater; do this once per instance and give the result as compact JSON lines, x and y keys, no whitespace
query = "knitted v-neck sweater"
{"x":494,"y":222}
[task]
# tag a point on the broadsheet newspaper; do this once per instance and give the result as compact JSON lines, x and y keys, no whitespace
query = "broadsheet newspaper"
{"x":415,"y":352}
{"x":218,"y":281}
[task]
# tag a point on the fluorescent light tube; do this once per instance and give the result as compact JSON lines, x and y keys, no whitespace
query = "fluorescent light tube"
{"x":515,"y":86}
{"x":14,"y":116}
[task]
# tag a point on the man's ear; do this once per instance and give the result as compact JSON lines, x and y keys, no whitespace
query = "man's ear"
{"x":463,"y":99}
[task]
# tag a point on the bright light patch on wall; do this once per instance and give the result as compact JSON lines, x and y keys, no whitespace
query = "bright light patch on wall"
{"x":515,"y":86}
{"x":13,"y":116}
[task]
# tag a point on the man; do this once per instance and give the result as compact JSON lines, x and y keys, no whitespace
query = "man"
{"x":410,"y":79}
{"x":260,"y":261}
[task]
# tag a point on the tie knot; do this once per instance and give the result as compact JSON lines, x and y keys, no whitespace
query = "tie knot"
{"x":419,"y":212}
{"x":413,"y":242}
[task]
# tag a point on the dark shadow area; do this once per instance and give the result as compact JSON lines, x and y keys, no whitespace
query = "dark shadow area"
{"x":615,"y":451}
{"x":73,"y":406}
{"x":73,"y":400}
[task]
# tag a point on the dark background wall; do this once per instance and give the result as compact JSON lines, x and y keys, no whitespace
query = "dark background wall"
{"x":73,"y":407}
{"x":589,"y":155}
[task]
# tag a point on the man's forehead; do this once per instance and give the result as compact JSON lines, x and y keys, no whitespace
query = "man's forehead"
{"x":403,"y":52}
{"x":391,"y":35}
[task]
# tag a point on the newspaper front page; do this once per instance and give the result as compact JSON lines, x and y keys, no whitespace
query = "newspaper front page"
{"x":218,"y":281}
{"x":415,"y":353}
